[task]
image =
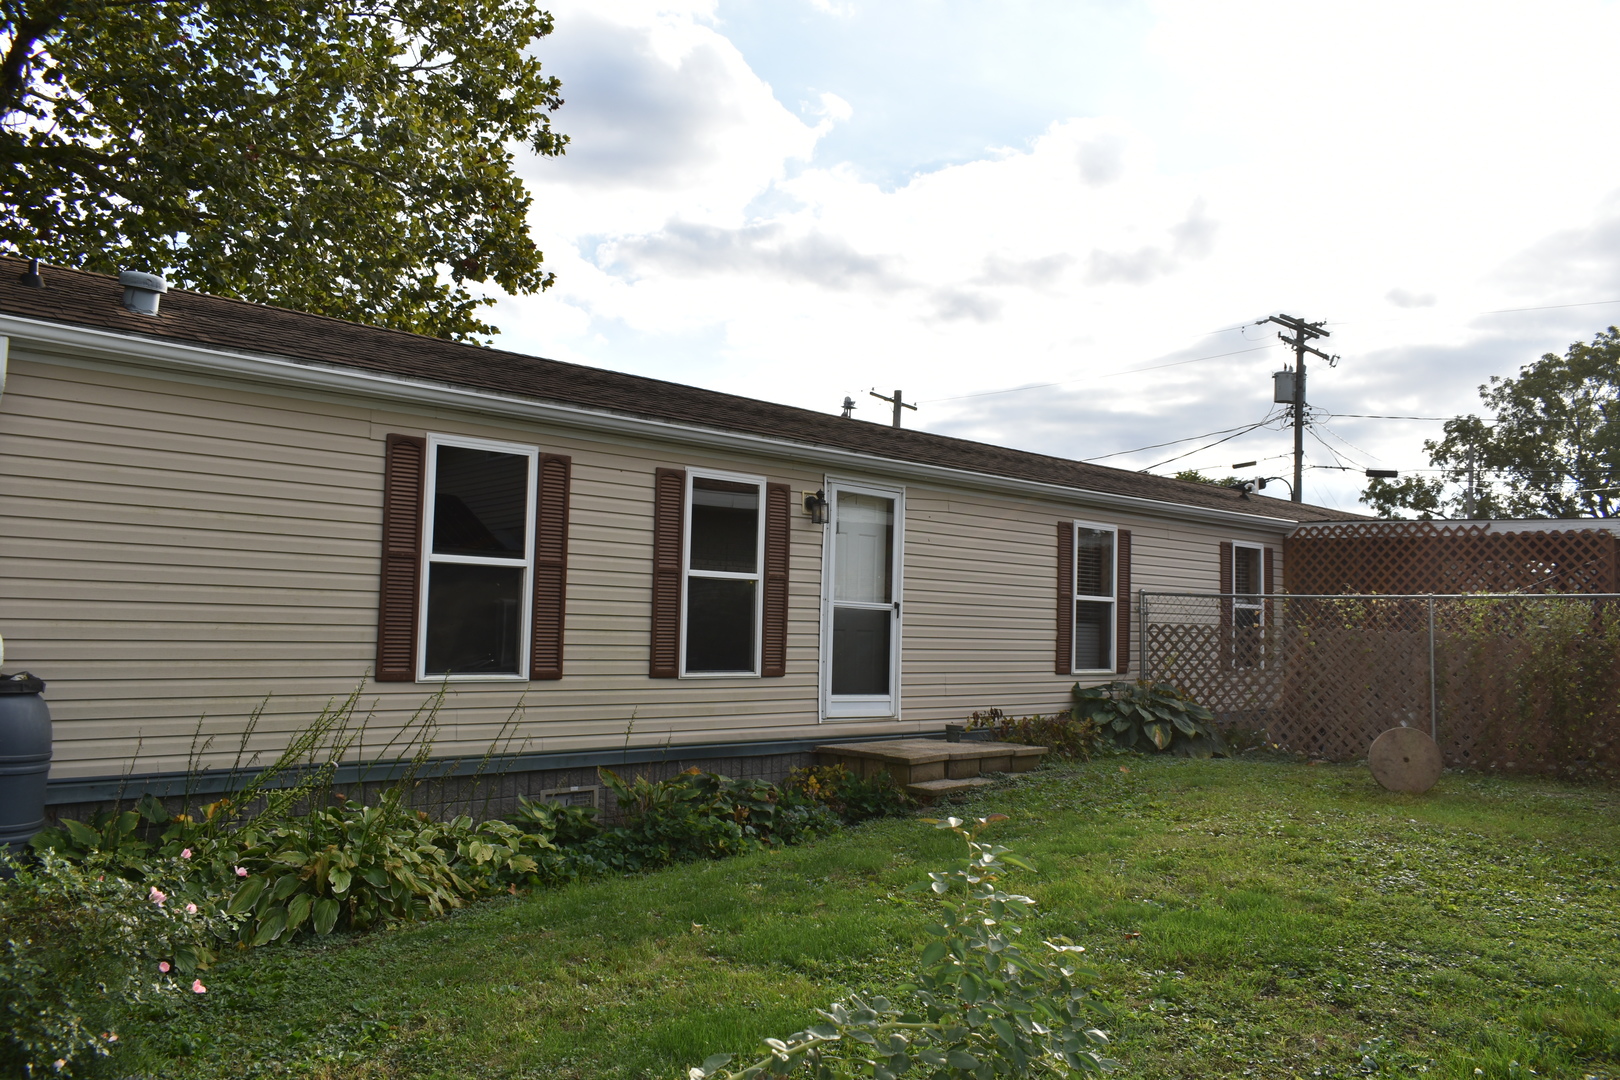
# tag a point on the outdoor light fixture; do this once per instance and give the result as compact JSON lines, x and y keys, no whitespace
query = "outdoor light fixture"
{"x":1382,"y":474}
{"x":815,"y":504}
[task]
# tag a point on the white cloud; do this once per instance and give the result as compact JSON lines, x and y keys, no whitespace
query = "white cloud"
{"x":698,"y":234}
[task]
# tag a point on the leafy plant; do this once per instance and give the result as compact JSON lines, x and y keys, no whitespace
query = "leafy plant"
{"x":702,"y":815}
{"x":982,"y":1006}
{"x":1060,"y":733}
{"x":82,"y":946}
{"x":851,"y":797}
{"x":565,"y":826}
{"x":352,"y":867}
{"x":1143,"y":714}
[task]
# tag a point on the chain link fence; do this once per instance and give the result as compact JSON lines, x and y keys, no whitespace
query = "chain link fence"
{"x":1522,"y":682}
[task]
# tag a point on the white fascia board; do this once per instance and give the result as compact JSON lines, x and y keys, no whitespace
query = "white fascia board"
{"x":129,"y":350}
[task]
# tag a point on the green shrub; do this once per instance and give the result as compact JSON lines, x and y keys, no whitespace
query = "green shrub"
{"x":981,"y":1006}
{"x":1060,"y":733}
{"x":699,"y":815}
{"x":851,"y":797}
{"x":350,"y":867}
{"x":1143,"y":715}
{"x":81,"y":945}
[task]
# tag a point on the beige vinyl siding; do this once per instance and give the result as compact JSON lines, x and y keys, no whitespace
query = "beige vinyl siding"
{"x":175,"y":553}
{"x":981,"y":596}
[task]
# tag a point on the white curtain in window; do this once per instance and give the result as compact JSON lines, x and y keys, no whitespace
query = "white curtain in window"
{"x":863,"y":559}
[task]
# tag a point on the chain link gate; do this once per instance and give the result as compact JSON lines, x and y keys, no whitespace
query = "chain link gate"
{"x":1514,"y":681}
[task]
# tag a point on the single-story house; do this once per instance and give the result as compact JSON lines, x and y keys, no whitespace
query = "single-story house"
{"x":224,"y":506}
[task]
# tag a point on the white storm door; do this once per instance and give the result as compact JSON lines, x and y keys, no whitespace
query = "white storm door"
{"x":860,"y":620}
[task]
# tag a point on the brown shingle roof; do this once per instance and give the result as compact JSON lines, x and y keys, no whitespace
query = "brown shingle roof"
{"x":96,"y":300}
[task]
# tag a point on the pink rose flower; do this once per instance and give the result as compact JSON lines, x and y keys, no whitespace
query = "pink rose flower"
{"x":197,"y":987}
{"x":157,"y":896}
{"x":186,"y":854}
{"x":163,"y":966}
{"x":191,"y":909}
{"x":241,"y":871}
{"x":111,"y":1036}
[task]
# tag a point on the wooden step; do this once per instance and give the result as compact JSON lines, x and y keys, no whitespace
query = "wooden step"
{"x":916,"y":761}
{"x":930,"y":791}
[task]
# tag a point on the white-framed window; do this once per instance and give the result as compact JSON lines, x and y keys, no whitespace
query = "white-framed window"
{"x":722,"y":564}
{"x":1248,"y":609}
{"x":1248,"y":583}
{"x":477,"y":559}
{"x":1096,"y":577}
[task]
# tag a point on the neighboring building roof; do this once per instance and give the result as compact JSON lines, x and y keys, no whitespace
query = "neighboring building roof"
{"x":96,"y":301}
{"x":1401,"y":526}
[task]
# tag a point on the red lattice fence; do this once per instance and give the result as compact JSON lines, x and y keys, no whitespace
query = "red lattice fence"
{"x":1410,"y":557}
{"x":1527,"y":683}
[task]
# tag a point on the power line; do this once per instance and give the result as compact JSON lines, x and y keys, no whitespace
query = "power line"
{"x":1217,"y":442}
{"x":1173,"y":442}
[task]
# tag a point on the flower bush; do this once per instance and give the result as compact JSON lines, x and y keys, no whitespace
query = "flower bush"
{"x":81,"y":944}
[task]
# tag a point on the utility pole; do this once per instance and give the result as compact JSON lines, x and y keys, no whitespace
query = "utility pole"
{"x":1304,"y":334}
{"x":896,"y":402}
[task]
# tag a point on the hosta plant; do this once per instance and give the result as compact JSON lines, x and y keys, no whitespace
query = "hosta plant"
{"x":1145,"y":715}
{"x":351,"y":867}
{"x":983,"y":1005}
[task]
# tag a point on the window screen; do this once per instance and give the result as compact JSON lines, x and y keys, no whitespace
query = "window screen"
{"x":479,"y":561}
{"x":723,"y":543}
{"x":1094,"y":598}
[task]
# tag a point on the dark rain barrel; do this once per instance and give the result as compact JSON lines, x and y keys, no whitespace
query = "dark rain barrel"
{"x":25,"y":757}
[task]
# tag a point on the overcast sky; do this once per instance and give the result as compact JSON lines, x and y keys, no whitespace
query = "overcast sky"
{"x":802,"y":199}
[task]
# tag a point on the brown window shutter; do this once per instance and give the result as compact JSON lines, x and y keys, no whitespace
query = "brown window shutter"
{"x":1225,"y":603}
{"x":397,"y":595}
{"x":1122,"y":603}
{"x":1064,"y":664}
{"x":669,"y":505}
{"x":550,"y":567}
{"x":778,"y":542}
{"x":1269,"y":570}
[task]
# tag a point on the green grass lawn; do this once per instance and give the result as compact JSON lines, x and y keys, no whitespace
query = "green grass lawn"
{"x":1248,"y":918}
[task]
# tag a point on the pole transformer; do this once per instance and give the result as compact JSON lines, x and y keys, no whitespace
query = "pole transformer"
{"x":1300,"y":342}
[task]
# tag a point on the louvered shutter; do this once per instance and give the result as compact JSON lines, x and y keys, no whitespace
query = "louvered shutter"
{"x":550,"y":567}
{"x":669,"y":504}
{"x":1122,"y":603}
{"x":1064,"y":661}
{"x":778,"y":543}
{"x":1225,"y":602}
{"x":1270,"y":570}
{"x":400,"y":588}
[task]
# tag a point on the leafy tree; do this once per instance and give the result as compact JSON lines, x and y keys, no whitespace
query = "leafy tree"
{"x":1193,"y":476}
{"x":1552,"y":450}
{"x":351,"y":159}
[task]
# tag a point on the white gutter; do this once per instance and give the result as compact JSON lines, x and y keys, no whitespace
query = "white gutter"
{"x":142,"y":351}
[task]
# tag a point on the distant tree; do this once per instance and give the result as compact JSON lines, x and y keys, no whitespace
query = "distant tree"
{"x":351,"y":159}
{"x":1552,"y":449}
{"x":1193,"y":476}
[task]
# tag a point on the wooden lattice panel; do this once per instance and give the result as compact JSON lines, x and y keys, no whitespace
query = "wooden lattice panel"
{"x":1396,"y":557}
{"x":1526,"y":683}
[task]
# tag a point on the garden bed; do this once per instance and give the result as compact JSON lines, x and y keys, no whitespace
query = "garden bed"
{"x":1248,"y":918}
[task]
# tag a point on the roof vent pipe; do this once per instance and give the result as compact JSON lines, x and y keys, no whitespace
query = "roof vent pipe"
{"x":142,"y":292}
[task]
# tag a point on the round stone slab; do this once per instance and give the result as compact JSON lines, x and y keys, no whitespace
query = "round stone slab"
{"x":1405,"y":759}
